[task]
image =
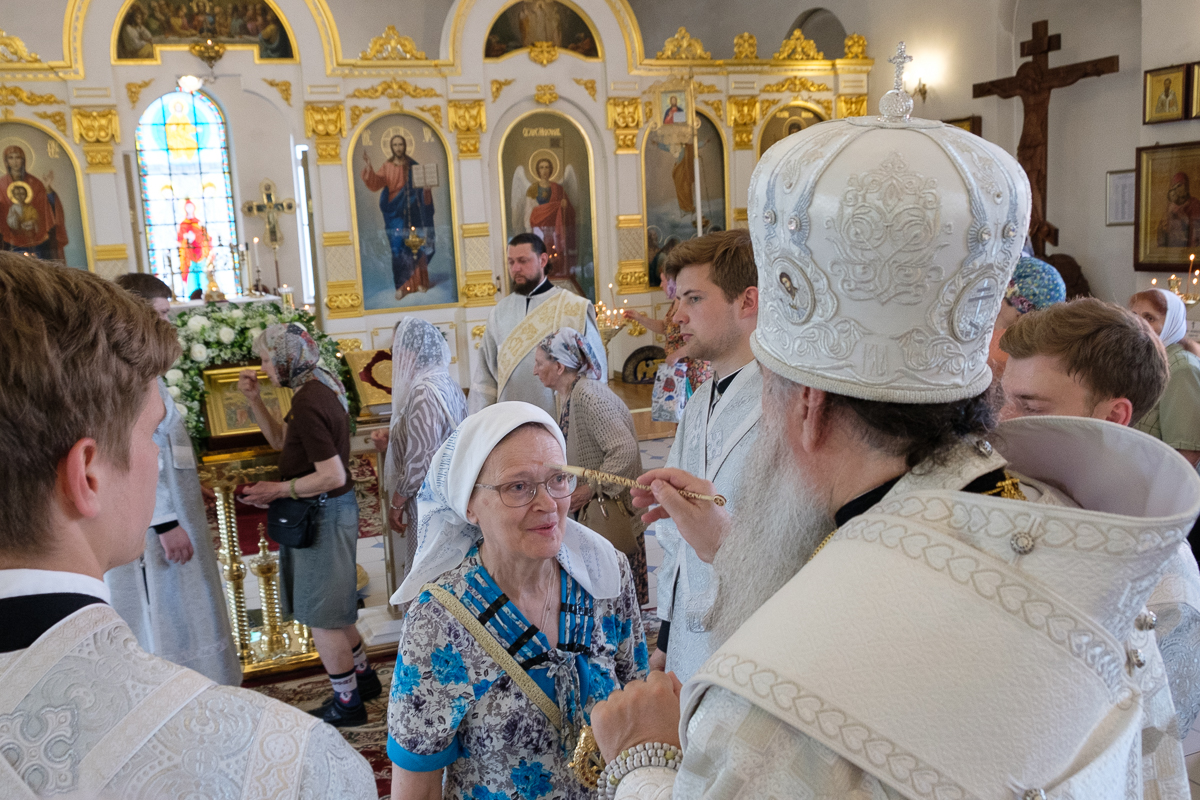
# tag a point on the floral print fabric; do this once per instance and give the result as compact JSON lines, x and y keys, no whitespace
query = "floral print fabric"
{"x":452,"y":706}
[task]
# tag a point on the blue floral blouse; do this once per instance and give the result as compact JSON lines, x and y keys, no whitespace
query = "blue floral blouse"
{"x":452,"y":706}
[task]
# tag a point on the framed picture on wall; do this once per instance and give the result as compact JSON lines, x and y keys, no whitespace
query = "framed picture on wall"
{"x":1194,"y":78}
{"x":973,"y":123}
{"x":1120,"y":190}
{"x":1165,"y":94}
{"x":1167,"y":228}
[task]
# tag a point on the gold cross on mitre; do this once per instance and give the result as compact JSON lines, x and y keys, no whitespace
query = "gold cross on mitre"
{"x":269,"y":209}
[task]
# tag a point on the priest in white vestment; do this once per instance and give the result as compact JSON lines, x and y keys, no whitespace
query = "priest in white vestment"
{"x":515,"y":326}
{"x":85,"y":712}
{"x":911,"y":603}
{"x":716,"y":282}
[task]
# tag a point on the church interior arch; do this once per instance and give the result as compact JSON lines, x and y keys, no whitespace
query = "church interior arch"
{"x":523,"y":24}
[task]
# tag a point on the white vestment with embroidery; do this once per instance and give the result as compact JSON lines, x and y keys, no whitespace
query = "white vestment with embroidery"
{"x":86,"y":713}
{"x":712,"y":442}
{"x":954,"y":645}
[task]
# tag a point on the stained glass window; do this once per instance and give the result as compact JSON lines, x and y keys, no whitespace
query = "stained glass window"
{"x":187,"y":195}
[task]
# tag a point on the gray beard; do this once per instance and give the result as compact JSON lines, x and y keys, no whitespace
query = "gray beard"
{"x":776,"y":527}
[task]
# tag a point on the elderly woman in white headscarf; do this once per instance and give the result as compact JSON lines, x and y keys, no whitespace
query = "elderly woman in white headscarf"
{"x":600,"y":435}
{"x":1176,"y":418}
{"x":520,"y":621}
{"x":427,"y":405}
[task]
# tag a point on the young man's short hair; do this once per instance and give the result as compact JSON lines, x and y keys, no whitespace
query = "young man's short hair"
{"x":144,"y":285}
{"x":728,"y":252}
{"x":76,"y":356}
{"x":1113,"y":353}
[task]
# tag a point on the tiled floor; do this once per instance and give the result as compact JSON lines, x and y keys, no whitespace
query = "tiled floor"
{"x":1191,"y":746}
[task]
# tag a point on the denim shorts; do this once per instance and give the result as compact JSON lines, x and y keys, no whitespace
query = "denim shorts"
{"x":318,"y":584}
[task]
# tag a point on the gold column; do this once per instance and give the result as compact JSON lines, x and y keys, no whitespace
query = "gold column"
{"x":266,"y":568}
{"x":234,"y":571}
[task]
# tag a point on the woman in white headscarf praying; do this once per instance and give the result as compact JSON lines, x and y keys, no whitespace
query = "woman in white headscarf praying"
{"x":427,"y":405}
{"x":520,"y":621}
{"x":1176,"y":418}
{"x":600,"y":435}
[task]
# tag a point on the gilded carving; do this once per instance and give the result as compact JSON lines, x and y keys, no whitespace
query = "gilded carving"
{"x":682,"y":47}
{"x":589,"y":86}
{"x":391,"y":46}
{"x":467,"y":120}
{"x":357,"y":113}
{"x":856,"y":46}
{"x":477,"y":333}
{"x":349,"y":345}
{"x":764,"y":106}
{"x":327,"y":124}
{"x":433,"y":111}
{"x":11,"y":95}
{"x":543,"y":53}
{"x":827,"y":104}
{"x":394,"y":89}
{"x":498,"y":86}
{"x":134,"y":90}
{"x":479,"y":293}
{"x":717,"y":106}
{"x":706,"y":88}
{"x":343,"y":299}
{"x":851,"y":105}
{"x":58,"y":118}
{"x":797,"y":48}
{"x":632,"y":278}
{"x":13,"y":51}
{"x":743,"y":116}
{"x":545,"y":94}
{"x":649,"y":106}
{"x":96,"y":127}
{"x":625,"y":118}
{"x":283,"y":87}
{"x":745,"y":47}
{"x":794,"y":84}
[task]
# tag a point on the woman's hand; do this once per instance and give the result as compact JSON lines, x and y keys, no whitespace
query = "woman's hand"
{"x":380,"y":439}
{"x":581,"y":496}
{"x":702,"y":523}
{"x":656,"y":325}
{"x":396,"y":514}
{"x":644,"y":711}
{"x":248,"y":384}
{"x":262,"y":493}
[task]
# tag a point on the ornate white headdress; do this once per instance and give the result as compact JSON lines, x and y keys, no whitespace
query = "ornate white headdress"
{"x":884,"y":245}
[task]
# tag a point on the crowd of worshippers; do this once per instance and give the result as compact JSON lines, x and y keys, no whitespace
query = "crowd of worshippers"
{"x":952,"y":557}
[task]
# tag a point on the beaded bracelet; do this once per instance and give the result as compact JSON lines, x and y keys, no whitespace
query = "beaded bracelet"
{"x":649,"y":754}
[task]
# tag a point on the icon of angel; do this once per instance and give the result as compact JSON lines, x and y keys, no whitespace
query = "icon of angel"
{"x":542,"y":204}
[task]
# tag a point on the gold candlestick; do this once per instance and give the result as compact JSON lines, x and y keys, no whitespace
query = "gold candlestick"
{"x":234,"y":572}
{"x":265,"y":567}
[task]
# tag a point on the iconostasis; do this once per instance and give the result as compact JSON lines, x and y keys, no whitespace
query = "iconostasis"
{"x":377,"y":161}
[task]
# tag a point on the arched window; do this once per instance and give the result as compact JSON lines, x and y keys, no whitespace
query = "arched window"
{"x":187,"y":194}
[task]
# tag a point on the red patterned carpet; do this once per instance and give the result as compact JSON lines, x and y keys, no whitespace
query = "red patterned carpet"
{"x":371,"y":739}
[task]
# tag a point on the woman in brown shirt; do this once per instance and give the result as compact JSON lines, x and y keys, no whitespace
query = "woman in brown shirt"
{"x":317,"y":583}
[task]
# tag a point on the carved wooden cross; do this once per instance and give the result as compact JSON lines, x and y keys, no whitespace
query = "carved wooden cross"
{"x":1033,"y":83}
{"x":269,"y":209}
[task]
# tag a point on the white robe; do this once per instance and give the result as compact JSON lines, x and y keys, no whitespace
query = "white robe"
{"x":86,"y":713}
{"x":937,"y":656}
{"x":523,"y":385}
{"x":177,"y":611}
{"x":713,"y":445}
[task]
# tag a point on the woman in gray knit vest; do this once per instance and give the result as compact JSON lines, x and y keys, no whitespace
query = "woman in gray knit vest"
{"x":600,"y":435}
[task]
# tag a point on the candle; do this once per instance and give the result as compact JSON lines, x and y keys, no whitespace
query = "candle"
{"x":1154,"y":281}
{"x":256,"y":261}
{"x":612,"y":296}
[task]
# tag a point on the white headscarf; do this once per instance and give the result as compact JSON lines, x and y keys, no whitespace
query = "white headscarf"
{"x":420,"y":355}
{"x":1175,"y":325}
{"x":445,"y":537}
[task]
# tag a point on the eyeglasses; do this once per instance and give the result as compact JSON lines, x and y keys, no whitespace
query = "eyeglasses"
{"x":516,"y":494}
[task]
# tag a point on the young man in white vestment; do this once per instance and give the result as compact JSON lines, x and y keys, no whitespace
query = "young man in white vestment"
{"x":170,"y":596}
{"x":716,"y":282}
{"x":519,"y":322}
{"x":84,"y":711}
{"x":1088,"y":358}
{"x":910,"y":605}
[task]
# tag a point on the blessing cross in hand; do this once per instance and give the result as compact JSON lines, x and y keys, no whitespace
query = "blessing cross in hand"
{"x":1033,"y":83}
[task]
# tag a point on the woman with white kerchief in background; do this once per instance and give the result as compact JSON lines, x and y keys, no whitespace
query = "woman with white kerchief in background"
{"x":427,"y":405}
{"x":520,"y":620}
{"x":1176,"y":418}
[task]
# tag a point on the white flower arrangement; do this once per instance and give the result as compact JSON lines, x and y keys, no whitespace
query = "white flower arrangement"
{"x":217,"y":335}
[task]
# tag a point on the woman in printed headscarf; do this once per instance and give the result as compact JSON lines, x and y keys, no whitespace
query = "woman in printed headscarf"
{"x":1176,"y":418}
{"x":520,"y":621}
{"x":317,"y":583}
{"x":1034,"y":285}
{"x":600,"y":435}
{"x":427,"y":405}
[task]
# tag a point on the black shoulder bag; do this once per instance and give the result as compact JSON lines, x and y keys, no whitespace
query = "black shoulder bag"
{"x":293,"y":522}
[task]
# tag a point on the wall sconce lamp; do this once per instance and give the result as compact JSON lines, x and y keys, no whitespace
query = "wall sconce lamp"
{"x":920,"y":90}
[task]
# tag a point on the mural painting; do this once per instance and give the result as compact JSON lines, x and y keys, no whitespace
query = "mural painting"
{"x":40,"y":211}
{"x":180,"y":22}
{"x":534,"y":21}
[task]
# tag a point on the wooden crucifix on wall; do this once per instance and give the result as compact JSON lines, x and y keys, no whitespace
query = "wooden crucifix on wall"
{"x":1033,"y":83}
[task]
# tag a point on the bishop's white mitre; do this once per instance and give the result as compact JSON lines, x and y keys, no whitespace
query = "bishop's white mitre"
{"x":884,"y":245}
